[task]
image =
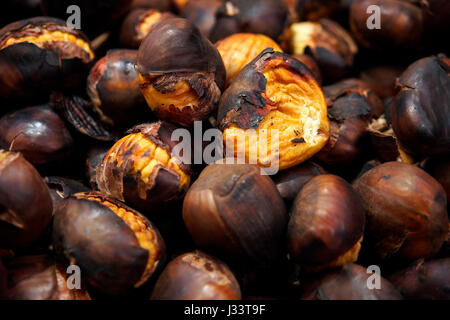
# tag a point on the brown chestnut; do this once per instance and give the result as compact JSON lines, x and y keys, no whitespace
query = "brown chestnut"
{"x":275,"y":93}
{"x":39,"y":55}
{"x":424,"y":280}
{"x":311,"y":64}
{"x":25,"y":202}
{"x":202,"y":13}
{"x":62,"y":188}
{"x":349,"y":283}
{"x":141,"y":170}
{"x":235,"y":211}
{"x":196,"y":276}
{"x":38,"y":133}
{"x":326,"y":225}
{"x":382,"y":79}
{"x":406,"y":211}
{"x":116,"y":248}
{"x":421,"y":110}
{"x":94,"y":157}
{"x":180,"y":72}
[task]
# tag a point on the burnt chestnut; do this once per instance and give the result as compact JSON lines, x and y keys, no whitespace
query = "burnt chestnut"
{"x":424,"y":280}
{"x":240,"y":49}
{"x":40,"y":278}
{"x":406,"y":211}
{"x":326,"y":225}
{"x":114,"y":89}
{"x":180,"y":72}
{"x":382,"y":79}
{"x":202,"y":13}
{"x":116,"y":248}
{"x":421,"y":110}
{"x":39,"y":55}
{"x":439,"y":168}
{"x":38,"y":133}
{"x":331,"y":46}
{"x":235,"y":211}
{"x":311,"y":64}
{"x":401,"y":24}
{"x":141,"y":170}
{"x":196,"y":276}
{"x":350,"y":283}
{"x":289,"y":182}
{"x":25,"y":202}
{"x":275,"y":93}
{"x":268,"y":17}
{"x":137,"y":25}
{"x":62,"y":188}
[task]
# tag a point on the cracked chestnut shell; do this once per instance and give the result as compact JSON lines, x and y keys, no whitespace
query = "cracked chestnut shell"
{"x":235,"y":211}
{"x":268,"y":17}
{"x":116,"y":248}
{"x":140,"y":169}
{"x":240,"y":49}
{"x":274,"y":92}
{"x":39,"y":55}
{"x":406,"y":211}
{"x":62,"y":188}
{"x":25,"y":202}
{"x":349,"y":283}
{"x":326,"y":225}
{"x":38,"y":133}
{"x":40,"y":278}
{"x":202,"y":13}
{"x":137,"y":25}
{"x":113,"y":88}
{"x":401,"y":24}
{"x":331,"y":46}
{"x":180,"y":72}
{"x":196,"y":276}
{"x":421,"y":110}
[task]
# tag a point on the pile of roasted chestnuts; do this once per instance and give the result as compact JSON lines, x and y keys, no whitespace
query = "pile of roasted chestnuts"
{"x":224,"y":149}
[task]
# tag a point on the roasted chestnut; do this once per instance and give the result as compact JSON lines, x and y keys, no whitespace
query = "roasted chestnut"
{"x":421,"y":110}
{"x":274,"y":95}
{"x":400,"y":24}
{"x":40,"y":278}
{"x":331,"y":46}
{"x":326,"y":225}
{"x":116,"y":248}
{"x":114,"y":89}
{"x":268,"y":17}
{"x":289,"y":182}
{"x":137,"y":25}
{"x":196,"y":276}
{"x":382,"y":79}
{"x":25,"y":202}
{"x":240,"y":49}
{"x":180,"y":72}
{"x":406,"y":211}
{"x":349,"y":283}
{"x":39,"y":55}
{"x":94,"y":157}
{"x":236,"y":212}
{"x":141,"y":170}
{"x":311,"y":64}
{"x":38,"y":133}
{"x":62,"y":188}
{"x":202,"y":13}
{"x":424,"y":280}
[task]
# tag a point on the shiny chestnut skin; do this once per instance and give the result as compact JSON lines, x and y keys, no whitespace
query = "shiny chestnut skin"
{"x":289,"y":182}
{"x":268,"y":17}
{"x":331,"y":46}
{"x":428,"y":280}
{"x":270,"y":93}
{"x":349,"y":283}
{"x":236,"y":212}
{"x":39,"y":55}
{"x":137,"y":24}
{"x":326,"y":225}
{"x":421,"y":110}
{"x":401,"y":24}
{"x":25,"y":202}
{"x":38,"y":133}
{"x":196,"y":276}
{"x":140,"y":169}
{"x":202,"y":13}
{"x":40,"y":278}
{"x":406,"y":211}
{"x":116,"y":248}
{"x":114,"y":89}
{"x":180,"y":72}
